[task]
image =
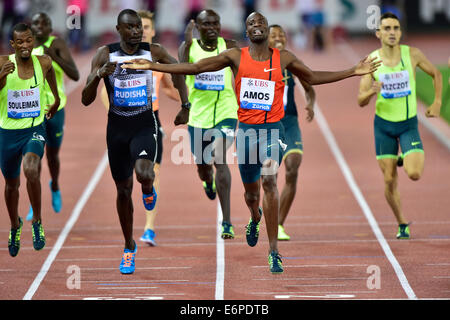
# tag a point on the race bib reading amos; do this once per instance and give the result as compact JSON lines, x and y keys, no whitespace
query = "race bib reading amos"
{"x":257,"y":94}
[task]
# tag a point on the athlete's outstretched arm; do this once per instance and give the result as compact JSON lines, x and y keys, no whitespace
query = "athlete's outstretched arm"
{"x":215,"y":63}
{"x":423,"y":63}
{"x":160,"y":55}
{"x":297,"y":67}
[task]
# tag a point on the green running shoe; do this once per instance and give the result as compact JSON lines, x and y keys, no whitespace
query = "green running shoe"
{"x":275,"y":263}
{"x":403,"y":231}
{"x":210,"y":189}
{"x":38,"y":235}
{"x":227,"y":231}
{"x":252,"y":233}
{"x":14,"y":239}
{"x":282,"y":235}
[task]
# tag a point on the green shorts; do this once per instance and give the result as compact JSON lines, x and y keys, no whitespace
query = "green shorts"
{"x":293,"y":135}
{"x":390,"y":135}
{"x":202,"y":139}
{"x":14,"y":144}
{"x":55,"y":129}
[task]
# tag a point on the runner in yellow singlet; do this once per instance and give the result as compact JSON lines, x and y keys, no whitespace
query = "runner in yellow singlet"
{"x":213,"y":115}
{"x":394,"y":85}
{"x":22,"y":135}
{"x":63,"y":63}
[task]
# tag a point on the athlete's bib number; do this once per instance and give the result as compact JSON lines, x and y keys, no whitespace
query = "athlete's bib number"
{"x":257,"y":94}
{"x":24,"y":103}
{"x":130,"y":92}
{"x":213,"y":81}
{"x":395,"y":85}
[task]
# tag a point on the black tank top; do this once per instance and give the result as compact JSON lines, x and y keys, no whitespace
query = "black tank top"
{"x":129,"y":91}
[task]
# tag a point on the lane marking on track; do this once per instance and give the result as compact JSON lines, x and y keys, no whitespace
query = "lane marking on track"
{"x":98,"y":173}
{"x":327,"y":296}
{"x":347,"y":173}
{"x":220,"y":256}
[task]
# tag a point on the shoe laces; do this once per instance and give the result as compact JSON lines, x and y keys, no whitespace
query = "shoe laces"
{"x":128,"y":259}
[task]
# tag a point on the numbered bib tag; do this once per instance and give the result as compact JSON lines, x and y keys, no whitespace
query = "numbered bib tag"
{"x":130,"y":92}
{"x":257,"y":94}
{"x":395,"y":85}
{"x":24,"y":103}
{"x":212,"y":81}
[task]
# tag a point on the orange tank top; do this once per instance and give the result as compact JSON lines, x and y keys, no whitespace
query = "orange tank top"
{"x":259,"y":89}
{"x":157,"y":77}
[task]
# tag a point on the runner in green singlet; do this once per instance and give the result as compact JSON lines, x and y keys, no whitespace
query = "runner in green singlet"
{"x":63,"y":63}
{"x":394,"y":85}
{"x":23,"y":107}
{"x":213,"y":114}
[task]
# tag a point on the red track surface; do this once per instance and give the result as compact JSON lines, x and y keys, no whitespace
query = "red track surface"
{"x":332,"y":244}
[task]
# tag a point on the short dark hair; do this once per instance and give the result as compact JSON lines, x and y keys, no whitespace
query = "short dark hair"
{"x":124,"y":12}
{"x":20,"y":27}
{"x":45,"y":16}
{"x":388,"y":15}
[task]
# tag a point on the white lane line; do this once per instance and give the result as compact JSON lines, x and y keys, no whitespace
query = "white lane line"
{"x":345,"y":169}
{"x":220,"y":256}
{"x":69,"y":225}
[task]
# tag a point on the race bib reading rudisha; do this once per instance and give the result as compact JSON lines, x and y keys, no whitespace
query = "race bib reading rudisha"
{"x":24,"y":103}
{"x":257,"y":94}
{"x":395,"y":85}
{"x":130,"y":92}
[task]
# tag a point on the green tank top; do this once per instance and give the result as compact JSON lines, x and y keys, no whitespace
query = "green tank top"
{"x":59,"y":73}
{"x":397,"y":99}
{"x":211,"y":94}
{"x":22,"y":102}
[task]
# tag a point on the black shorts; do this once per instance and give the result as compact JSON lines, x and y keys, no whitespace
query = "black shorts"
{"x":159,"y":139}
{"x":129,"y":139}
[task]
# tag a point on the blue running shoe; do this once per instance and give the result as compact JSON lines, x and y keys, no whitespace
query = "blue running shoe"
{"x":150,"y":200}
{"x":127,"y":265}
{"x":14,"y":239}
{"x":149,"y":237}
{"x":56,"y":199}
{"x":30,"y":214}
{"x":252,"y":232}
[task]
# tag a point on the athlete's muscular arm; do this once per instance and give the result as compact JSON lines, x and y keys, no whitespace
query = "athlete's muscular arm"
{"x":49,"y":74}
{"x":168,"y":88}
{"x":59,"y":52}
{"x":423,"y":63}
{"x":367,"y":89}
{"x":297,"y":67}
{"x":101,"y":67}
{"x":225,"y":59}
{"x":6,"y":67}
{"x":310,"y":94}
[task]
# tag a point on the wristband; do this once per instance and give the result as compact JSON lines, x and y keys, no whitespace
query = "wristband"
{"x":186,"y":105}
